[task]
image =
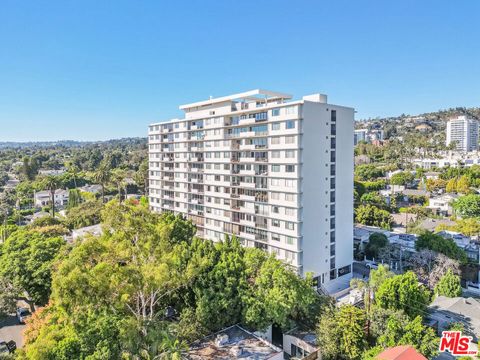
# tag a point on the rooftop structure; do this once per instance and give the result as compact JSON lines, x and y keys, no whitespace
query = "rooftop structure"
{"x":233,"y":343}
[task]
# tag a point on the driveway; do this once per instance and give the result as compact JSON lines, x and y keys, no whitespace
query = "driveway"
{"x":10,"y":329}
{"x":360,"y":270}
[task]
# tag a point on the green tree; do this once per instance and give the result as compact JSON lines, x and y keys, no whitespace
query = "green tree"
{"x":463,"y":185}
{"x":451,"y":186}
{"x":373,"y":216}
{"x":437,"y":243}
{"x":52,"y":183}
{"x":468,"y":205}
{"x":368,"y":172}
{"x":449,"y":285}
{"x":102,"y":176}
{"x":26,"y":263}
{"x":85,"y":214}
{"x":403,"y":292}
{"x":74,"y":198}
{"x":341,"y":333}
{"x":118,"y":177}
{"x":401,"y":178}
{"x":376,"y":242}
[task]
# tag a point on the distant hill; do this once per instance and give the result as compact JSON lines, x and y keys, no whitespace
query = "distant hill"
{"x":433,"y":123}
{"x":67,"y":143}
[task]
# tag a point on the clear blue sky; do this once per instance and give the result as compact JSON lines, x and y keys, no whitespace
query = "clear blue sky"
{"x":96,"y":69}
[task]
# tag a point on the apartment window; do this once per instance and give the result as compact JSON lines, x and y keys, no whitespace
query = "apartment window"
{"x":261,"y":116}
{"x":290,"y":183}
{"x":344,"y":270}
{"x":332,"y":250}
{"x":290,"y":212}
{"x":290,"y":110}
{"x":275,"y":168}
{"x":332,"y":210}
{"x":275,"y":196}
{"x":275,"y":223}
{"x":333,"y":129}
{"x":289,"y":139}
{"x":289,"y":255}
{"x":275,"y":154}
{"x":289,"y":168}
{"x":333,"y":143}
{"x":275,"y":237}
{"x":276,"y":126}
{"x":275,"y":140}
{"x":332,"y":237}
{"x":289,"y":225}
{"x":290,"y":240}
{"x":290,"y":124}
{"x":333,"y":116}
{"x":332,"y":170}
{"x":275,"y":209}
{"x":289,"y":154}
{"x":332,"y":183}
{"x":332,"y":223}
{"x":332,"y":156}
{"x":275,"y":182}
{"x":332,"y":263}
{"x":290,"y":197}
{"x":333,"y":274}
{"x":332,"y":196}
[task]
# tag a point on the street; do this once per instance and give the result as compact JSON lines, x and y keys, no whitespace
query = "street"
{"x":10,"y":329}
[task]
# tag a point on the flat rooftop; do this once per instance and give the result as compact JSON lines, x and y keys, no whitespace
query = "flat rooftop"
{"x":252,"y":95}
{"x":232,"y":343}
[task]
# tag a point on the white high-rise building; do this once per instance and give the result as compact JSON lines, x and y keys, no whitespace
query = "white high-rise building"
{"x":276,"y":173}
{"x":463,"y":132}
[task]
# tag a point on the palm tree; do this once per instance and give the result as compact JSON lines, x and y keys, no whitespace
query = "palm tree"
{"x":52,"y":183}
{"x":102,"y":176}
{"x":74,"y":170}
{"x":118,"y":178}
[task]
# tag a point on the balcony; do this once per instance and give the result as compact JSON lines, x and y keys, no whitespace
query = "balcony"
{"x":247,"y":147}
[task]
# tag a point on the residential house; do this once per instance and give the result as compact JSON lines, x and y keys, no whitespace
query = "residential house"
{"x":233,"y":342}
{"x":92,"y":189}
{"x":301,"y":344}
{"x":51,"y":172}
{"x":442,"y":204}
{"x":95,"y":230}
{"x":43,"y":198}
{"x":446,"y":310}
{"x":402,"y":352}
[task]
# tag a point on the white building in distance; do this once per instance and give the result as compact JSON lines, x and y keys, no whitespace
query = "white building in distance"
{"x":463,"y":132}
{"x":367,"y":135}
{"x":276,"y":173}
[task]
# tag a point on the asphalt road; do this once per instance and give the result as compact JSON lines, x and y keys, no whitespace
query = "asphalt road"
{"x":10,"y":329}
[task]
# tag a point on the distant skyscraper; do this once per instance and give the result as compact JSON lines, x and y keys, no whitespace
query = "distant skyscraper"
{"x":463,"y":132}
{"x":276,"y":173}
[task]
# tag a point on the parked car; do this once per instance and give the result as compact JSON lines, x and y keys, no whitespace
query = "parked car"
{"x":23,"y":314}
{"x":7,"y":347}
{"x":371,"y":265}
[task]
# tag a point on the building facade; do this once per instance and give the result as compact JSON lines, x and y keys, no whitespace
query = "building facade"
{"x":276,"y":173}
{"x":463,"y":132}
